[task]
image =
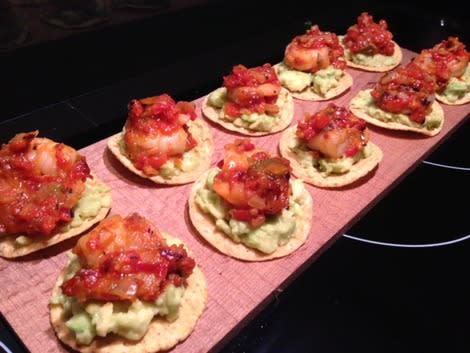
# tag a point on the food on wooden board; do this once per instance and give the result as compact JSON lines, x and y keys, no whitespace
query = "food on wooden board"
{"x":127,"y":288}
{"x":47,"y":194}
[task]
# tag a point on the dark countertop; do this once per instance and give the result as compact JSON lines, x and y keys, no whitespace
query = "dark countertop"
{"x":396,"y":282}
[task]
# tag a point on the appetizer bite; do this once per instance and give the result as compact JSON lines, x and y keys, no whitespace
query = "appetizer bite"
{"x":368,"y":45}
{"x":127,"y":288}
{"x":249,"y":207}
{"x":314,"y":66}
{"x":163,"y":141}
{"x":47,"y":194}
{"x":330,"y":148}
{"x":251,"y":102}
{"x":402,"y":99}
{"x":447,"y":62}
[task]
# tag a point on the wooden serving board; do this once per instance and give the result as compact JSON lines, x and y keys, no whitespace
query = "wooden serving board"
{"x":237,"y":289}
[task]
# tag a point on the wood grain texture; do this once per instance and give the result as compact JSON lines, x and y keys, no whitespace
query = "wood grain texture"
{"x":237,"y":289}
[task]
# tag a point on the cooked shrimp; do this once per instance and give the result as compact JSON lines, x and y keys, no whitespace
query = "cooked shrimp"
{"x":334,"y":132}
{"x":44,"y":154}
{"x":252,"y":90}
{"x":338,"y":143}
{"x":306,"y":59}
{"x":170,"y":144}
{"x":407,"y":90}
{"x":252,"y":183}
{"x":126,"y":259}
{"x":156,"y":130}
{"x":445,"y":60}
{"x":314,"y":50}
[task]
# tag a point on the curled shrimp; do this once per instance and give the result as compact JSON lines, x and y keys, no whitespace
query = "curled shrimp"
{"x":156,"y":130}
{"x":252,"y":90}
{"x":252,"y":183}
{"x":445,"y":60}
{"x":406,"y":90}
{"x":334,"y":132}
{"x":314,"y":50}
{"x":126,"y":259}
{"x":48,"y":157}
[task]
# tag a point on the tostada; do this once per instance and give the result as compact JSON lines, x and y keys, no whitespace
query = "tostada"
{"x":330,"y":148}
{"x":248,"y":207}
{"x":368,"y":45}
{"x":47,"y":194}
{"x":402,"y":99}
{"x":163,"y":141}
{"x":127,"y":288}
{"x":251,"y":102}
{"x":314,"y":66}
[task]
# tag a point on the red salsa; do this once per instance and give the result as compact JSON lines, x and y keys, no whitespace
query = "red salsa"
{"x":368,"y":37}
{"x":40,"y":183}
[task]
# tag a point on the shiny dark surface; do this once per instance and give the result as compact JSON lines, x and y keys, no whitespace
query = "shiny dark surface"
{"x":396,"y":282}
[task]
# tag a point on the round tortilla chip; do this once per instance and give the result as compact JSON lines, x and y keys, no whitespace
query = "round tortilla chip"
{"x":161,"y":334}
{"x":397,"y":56}
{"x":463,"y":100}
{"x":314,"y":177}
{"x":345,"y":82}
{"x":361,"y":113}
{"x":287,"y":114}
{"x":204,"y":150}
{"x":8,"y":248}
{"x":205,"y":225}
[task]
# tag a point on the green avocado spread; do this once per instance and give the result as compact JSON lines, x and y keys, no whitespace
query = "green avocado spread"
{"x":376,"y":60}
{"x":95,"y":197}
{"x":458,"y":86}
{"x":129,"y":320}
{"x":325,"y":166}
{"x":275,"y":232}
{"x":254,"y":121}
{"x":365,"y":102}
{"x":319,"y":82}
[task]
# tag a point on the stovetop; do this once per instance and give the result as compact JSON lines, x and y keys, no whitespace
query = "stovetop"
{"x":396,"y":281}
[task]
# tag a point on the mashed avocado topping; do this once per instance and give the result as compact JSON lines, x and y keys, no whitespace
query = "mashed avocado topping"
{"x":129,"y":320}
{"x":325,"y":166}
{"x":254,"y":121}
{"x":189,"y":160}
{"x":365,"y":102}
{"x":275,"y":232}
{"x":319,"y":82}
{"x":458,"y":86}
{"x":376,"y":60}
{"x":95,"y":197}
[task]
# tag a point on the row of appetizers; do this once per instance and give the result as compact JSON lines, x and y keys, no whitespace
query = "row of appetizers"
{"x":128,"y":286}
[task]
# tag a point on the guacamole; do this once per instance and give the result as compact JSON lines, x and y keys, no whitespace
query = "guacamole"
{"x":458,"y":87}
{"x":319,"y":82}
{"x":275,"y":232}
{"x":95,"y":197}
{"x":325,"y":166}
{"x":254,"y":121}
{"x":365,"y":102}
{"x":129,"y":320}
